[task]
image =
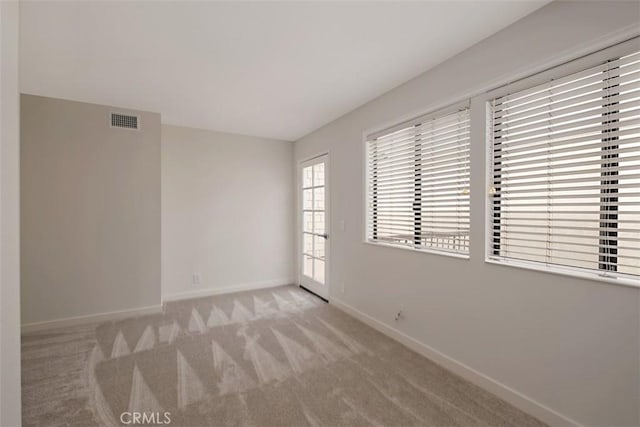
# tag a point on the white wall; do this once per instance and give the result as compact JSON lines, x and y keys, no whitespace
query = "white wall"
{"x":90,"y":211}
{"x":226,"y":211}
{"x":10,"y":409}
{"x":563,"y":348}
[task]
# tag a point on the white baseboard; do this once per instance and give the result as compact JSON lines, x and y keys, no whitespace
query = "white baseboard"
{"x":92,"y":318}
{"x":512,"y":396}
{"x":177,"y":296}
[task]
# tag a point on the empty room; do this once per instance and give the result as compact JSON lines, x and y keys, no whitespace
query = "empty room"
{"x":320,"y":213}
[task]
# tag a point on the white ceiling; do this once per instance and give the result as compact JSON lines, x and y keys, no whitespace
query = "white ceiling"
{"x":277,"y":70}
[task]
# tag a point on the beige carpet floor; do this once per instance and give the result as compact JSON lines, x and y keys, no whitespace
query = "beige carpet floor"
{"x":273,"y":357}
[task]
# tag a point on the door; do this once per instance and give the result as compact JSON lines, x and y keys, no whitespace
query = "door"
{"x":314,"y":191}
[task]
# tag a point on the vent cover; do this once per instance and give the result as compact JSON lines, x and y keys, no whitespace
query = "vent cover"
{"x":125,"y":121}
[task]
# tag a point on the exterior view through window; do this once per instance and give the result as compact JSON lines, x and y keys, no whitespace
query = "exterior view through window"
{"x":565,"y":171}
{"x":418,"y":183}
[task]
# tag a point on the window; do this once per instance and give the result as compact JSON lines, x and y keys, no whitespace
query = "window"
{"x":565,"y":172}
{"x":418,"y":183}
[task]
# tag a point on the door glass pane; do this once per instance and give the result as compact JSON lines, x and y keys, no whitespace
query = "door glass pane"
{"x":308,"y":243}
{"x":318,"y":246}
{"x":307,"y":176}
{"x":318,"y":223}
{"x":318,"y":198}
{"x":307,"y":266}
{"x":307,"y":222}
{"x":307,"y":199}
{"x":319,"y":270}
{"x":318,"y":174}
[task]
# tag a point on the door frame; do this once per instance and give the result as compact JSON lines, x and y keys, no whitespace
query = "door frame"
{"x":299,"y":221}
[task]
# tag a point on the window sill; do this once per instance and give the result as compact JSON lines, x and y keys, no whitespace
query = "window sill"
{"x":426,"y":251}
{"x":566,"y":271}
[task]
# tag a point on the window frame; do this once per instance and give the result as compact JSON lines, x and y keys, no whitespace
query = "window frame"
{"x":568,"y":68}
{"x":397,"y":125}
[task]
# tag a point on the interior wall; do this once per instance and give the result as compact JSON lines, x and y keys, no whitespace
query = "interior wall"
{"x":10,"y":408}
{"x":90,"y":210}
{"x":226,"y":212}
{"x":569,"y":346}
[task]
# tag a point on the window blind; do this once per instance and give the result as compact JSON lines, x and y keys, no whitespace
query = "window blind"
{"x":418,"y":183}
{"x":565,"y":171}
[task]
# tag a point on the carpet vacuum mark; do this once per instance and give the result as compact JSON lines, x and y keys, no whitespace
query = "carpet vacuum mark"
{"x":272,"y":357}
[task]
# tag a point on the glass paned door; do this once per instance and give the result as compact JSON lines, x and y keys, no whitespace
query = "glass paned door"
{"x":314,"y":208}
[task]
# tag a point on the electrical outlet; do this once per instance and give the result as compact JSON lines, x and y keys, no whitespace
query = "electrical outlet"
{"x":195,"y":279}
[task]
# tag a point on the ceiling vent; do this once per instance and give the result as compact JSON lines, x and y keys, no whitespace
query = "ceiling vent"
{"x":125,"y":121}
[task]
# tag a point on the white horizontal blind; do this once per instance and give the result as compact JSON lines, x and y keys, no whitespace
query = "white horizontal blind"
{"x":418,"y":183}
{"x":565,"y":171}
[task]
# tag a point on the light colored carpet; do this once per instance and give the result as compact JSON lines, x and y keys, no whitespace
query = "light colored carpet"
{"x":273,"y":357}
